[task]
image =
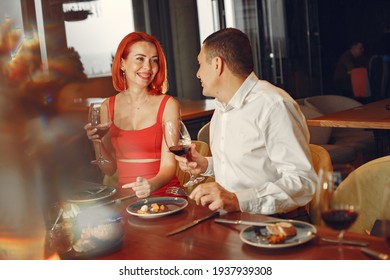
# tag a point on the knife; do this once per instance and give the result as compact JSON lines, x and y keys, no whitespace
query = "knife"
{"x":375,"y":254}
{"x":241,"y":222}
{"x":116,"y":201}
{"x":346,"y":242}
{"x":193,"y":223}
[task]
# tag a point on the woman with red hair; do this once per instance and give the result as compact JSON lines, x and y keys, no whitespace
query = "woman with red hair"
{"x":134,"y":146}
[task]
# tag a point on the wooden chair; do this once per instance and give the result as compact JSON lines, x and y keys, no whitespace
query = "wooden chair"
{"x":371,"y":178}
{"x":204,"y":133}
{"x":321,"y":160}
{"x":112,"y":180}
{"x":347,"y":146}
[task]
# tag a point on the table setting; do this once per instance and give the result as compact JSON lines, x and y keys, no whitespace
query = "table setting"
{"x":185,"y":230}
{"x":84,"y":230}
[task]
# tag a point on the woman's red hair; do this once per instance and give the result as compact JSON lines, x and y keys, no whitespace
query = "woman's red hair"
{"x":159,"y":84}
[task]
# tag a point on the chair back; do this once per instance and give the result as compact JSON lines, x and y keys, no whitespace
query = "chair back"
{"x":318,"y":135}
{"x":359,"y":82}
{"x":112,"y":180}
{"x":379,"y":76}
{"x":331,"y":103}
{"x":321,"y":160}
{"x":371,"y":178}
{"x":204,"y":133}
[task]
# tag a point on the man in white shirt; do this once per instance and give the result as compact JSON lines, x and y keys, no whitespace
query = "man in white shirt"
{"x":258,"y":137}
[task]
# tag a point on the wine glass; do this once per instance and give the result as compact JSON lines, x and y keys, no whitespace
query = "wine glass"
{"x":386,"y":215}
{"x":99,"y":117}
{"x":178,"y":141}
{"x":339,"y":207}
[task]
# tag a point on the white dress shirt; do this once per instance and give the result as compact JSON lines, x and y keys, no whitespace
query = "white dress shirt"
{"x":260,"y":149}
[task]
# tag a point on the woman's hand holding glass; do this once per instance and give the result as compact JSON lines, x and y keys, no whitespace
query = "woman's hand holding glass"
{"x":98,"y":126}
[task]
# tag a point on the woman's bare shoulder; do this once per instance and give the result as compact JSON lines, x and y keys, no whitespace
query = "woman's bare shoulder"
{"x":173,"y":101}
{"x":172,"y":108}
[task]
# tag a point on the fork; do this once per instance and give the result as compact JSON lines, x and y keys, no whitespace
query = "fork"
{"x":95,"y":192}
{"x":176,"y":191}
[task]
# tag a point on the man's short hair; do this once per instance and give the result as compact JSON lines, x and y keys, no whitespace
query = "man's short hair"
{"x":234,"y":47}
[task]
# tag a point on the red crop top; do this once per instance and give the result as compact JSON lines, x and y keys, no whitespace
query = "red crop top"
{"x":137,"y":144}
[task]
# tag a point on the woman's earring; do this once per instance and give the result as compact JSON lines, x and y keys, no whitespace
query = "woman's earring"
{"x":124,"y":79}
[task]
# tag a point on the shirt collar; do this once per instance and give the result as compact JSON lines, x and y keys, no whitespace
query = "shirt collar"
{"x":239,"y":97}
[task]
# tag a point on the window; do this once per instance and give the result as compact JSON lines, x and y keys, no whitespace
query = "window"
{"x":97,"y":37}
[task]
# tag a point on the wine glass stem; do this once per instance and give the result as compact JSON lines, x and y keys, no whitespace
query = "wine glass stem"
{"x":192,"y":176}
{"x":99,"y":151}
{"x":99,"y":158}
{"x":340,"y":236}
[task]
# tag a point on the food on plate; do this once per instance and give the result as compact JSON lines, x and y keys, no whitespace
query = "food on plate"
{"x":71,"y":211}
{"x":287,"y":228}
{"x":276,"y":238}
{"x":92,"y":236}
{"x":104,"y":232}
{"x":84,"y":245}
{"x":152,"y":209}
{"x":278,"y":232}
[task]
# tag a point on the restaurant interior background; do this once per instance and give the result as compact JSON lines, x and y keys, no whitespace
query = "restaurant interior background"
{"x":296,"y":42}
{"x":68,"y":49}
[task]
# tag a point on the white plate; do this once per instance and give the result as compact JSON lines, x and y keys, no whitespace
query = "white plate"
{"x":256,"y":235}
{"x":174,"y":204}
{"x":91,"y":193}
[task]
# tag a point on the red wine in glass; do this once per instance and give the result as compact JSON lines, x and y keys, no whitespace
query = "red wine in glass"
{"x":101,"y":131}
{"x":338,"y":210}
{"x":178,"y":141}
{"x":179,"y":150}
{"x":339,"y":219}
{"x":99,"y":118}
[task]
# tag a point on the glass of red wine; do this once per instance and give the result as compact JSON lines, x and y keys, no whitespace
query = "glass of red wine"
{"x":338,"y":210}
{"x":99,"y":118}
{"x":178,"y":141}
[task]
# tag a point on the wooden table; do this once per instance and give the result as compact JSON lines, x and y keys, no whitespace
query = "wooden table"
{"x":375,"y":116}
{"x":196,"y":109}
{"x":145,"y":239}
{"x":196,"y":113}
{"x":190,"y":109}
